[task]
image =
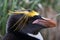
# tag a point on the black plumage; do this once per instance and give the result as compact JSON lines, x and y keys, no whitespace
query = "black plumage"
{"x":22,"y":34}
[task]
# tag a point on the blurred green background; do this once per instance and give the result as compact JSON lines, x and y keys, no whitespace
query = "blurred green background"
{"x":43,"y":6}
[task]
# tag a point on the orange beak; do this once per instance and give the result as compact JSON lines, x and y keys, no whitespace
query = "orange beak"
{"x":45,"y":22}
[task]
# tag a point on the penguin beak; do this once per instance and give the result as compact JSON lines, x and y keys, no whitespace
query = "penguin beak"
{"x":49,"y":23}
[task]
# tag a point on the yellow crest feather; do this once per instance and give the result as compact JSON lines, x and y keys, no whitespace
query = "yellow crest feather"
{"x":27,"y":13}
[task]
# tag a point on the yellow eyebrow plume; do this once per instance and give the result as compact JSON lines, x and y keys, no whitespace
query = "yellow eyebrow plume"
{"x":27,"y":13}
{"x":32,"y":13}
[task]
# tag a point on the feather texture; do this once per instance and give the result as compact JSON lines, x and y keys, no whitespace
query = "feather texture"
{"x":27,"y":13}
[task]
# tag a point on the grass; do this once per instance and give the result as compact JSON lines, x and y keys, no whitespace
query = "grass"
{"x":6,"y":5}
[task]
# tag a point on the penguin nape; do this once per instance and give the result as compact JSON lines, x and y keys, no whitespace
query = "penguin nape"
{"x":17,"y":29}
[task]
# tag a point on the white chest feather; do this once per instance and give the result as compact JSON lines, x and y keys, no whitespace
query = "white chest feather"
{"x":38,"y":36}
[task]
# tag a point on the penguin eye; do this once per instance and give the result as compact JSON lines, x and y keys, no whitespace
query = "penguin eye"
{"x":29,"y":10}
